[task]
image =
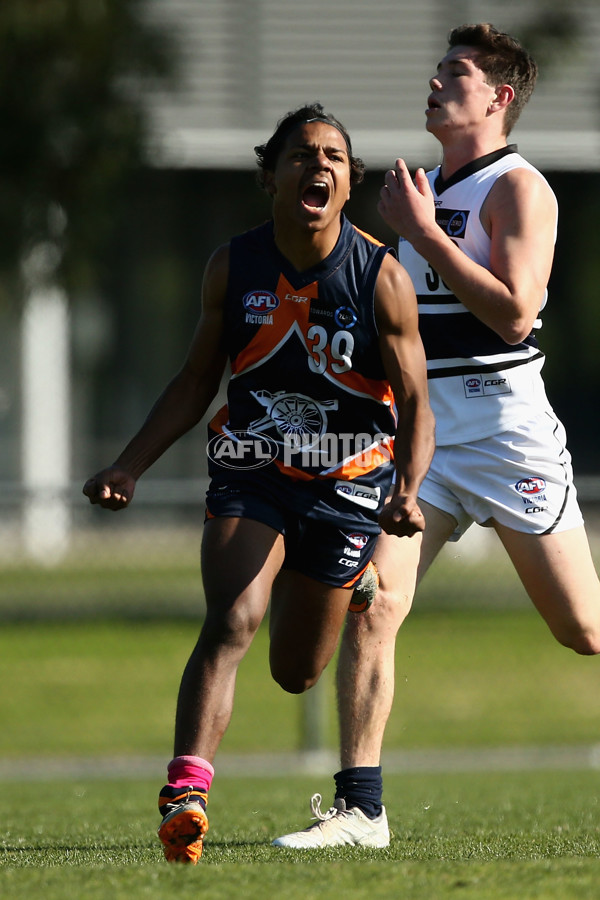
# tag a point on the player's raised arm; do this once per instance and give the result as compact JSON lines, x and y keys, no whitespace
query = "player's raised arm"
{"x":519,"y":215}
{"x":183,"y":402}
{"x":404,"y":360}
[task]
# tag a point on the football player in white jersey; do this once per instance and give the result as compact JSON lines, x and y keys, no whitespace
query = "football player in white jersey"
{"x":477,"y":237}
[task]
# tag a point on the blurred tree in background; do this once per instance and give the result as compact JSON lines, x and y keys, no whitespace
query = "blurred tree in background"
{"x":74,"y":125}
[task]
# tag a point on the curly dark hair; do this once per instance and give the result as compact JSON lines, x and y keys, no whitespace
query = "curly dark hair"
{"x":268,"y":153}
{"x":503,"y":60}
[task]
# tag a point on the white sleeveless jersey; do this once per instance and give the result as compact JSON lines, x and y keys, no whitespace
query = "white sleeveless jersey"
{"x":478,"y":384}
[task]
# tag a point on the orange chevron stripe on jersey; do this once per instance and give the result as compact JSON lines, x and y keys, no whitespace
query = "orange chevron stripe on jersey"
{"x":369,"y":237}
{"x":356,"y":466}
{"x":294,"y":306}
{"x":364,"y":462}
{"x":359,"y":384}
{"x":220,"y":419}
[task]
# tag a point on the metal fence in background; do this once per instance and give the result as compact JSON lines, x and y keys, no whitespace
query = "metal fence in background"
{"x":170,"y":508}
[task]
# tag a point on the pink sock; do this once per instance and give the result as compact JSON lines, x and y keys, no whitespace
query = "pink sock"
{"x":186,"y":770}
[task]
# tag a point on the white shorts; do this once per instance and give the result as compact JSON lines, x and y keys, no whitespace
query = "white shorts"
{"x":521,"y":478}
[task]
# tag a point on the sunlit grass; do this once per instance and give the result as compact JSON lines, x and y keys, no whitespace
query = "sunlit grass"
{"x":490,"y":837}
{"x":464,"y":679}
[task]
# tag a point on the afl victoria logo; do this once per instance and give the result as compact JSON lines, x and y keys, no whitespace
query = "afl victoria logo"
{"x":533,"y":485}
{"x":473,"y":383}
{"x":260,"y":301}
{"x":358,"y":540}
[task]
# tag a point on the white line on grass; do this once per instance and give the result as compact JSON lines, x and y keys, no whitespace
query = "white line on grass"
{"x":499,"y":759}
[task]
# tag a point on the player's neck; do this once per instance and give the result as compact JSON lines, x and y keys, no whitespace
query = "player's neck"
{"x":461,"y":152}
{"x":307,"y":249}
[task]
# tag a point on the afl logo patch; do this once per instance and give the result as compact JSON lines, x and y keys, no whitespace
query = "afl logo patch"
{"x":260,"y":301}
{"x":473,"y":385}
{"x":533,"y":485}
{"x":345,"y":317}
{"x":357,"y":540}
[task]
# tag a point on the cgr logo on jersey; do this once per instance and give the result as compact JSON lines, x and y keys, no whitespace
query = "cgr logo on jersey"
{"x":259,"y":306}
{"x":531,"y":485}
{"x":360,"y":494}
{"x":480,"y":386}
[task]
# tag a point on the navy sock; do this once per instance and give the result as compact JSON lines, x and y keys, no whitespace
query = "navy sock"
{"x":361,"y":786}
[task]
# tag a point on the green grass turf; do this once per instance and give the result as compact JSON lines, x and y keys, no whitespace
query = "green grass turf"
{"x":88,"y":688}
{"x":464,"y":679}
{"x":485,"y":836}
{"x":132,"y":579}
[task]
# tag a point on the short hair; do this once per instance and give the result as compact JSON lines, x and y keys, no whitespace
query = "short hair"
{"x":503,"y":60}
{"x":267,"y":154}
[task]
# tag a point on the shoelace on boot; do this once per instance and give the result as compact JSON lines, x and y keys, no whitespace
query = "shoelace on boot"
{"x":315,"y":808}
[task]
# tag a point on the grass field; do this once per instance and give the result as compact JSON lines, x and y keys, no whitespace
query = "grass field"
{"x":88,"y":693}
{"x":482,"y":837}
{"x":464,"y":679}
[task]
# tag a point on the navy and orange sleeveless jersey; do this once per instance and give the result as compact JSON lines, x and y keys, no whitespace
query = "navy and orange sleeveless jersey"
{"x":307,"y":375}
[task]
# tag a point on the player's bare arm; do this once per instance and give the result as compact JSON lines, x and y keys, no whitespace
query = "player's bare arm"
{"x":519,"y":215}
{"x":181,"y":405}
{"x":404,"y":360}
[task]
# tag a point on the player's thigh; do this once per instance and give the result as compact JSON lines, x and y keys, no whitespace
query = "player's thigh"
{"x":402,"y":561}
{"x":240,"y":559}
{"x":558,"y":574}
{"x":439,"y":527}
{"x":305,"y":623}
{"x":374,"y":629}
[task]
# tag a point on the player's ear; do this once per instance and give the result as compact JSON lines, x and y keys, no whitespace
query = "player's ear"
{"x":269,"y":183}
{"x":504,"y":95}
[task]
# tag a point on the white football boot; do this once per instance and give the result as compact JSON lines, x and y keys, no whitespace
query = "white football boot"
{"x":338,"y":827}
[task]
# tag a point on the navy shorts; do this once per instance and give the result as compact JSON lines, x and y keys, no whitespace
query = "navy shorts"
{"x":334,"y":552}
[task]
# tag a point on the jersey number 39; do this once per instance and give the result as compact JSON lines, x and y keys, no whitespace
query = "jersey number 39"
{"x":342,"y":345}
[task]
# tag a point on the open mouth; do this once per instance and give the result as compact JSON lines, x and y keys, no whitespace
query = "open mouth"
{"x":315,"y":196}
{"x":432,"y":103}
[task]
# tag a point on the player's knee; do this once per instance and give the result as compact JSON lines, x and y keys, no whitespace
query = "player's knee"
{"x":587,"y":644}
{"x":293,"y":678}
{"x":234,"y":628}
{"x":584,"y":641}
{"x":383,"y":619}
{"x":294,"y":682}
{"x":394,"y":604}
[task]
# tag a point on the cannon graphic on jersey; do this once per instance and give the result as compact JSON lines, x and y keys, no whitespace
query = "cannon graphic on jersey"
{"x":299,"y":419}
